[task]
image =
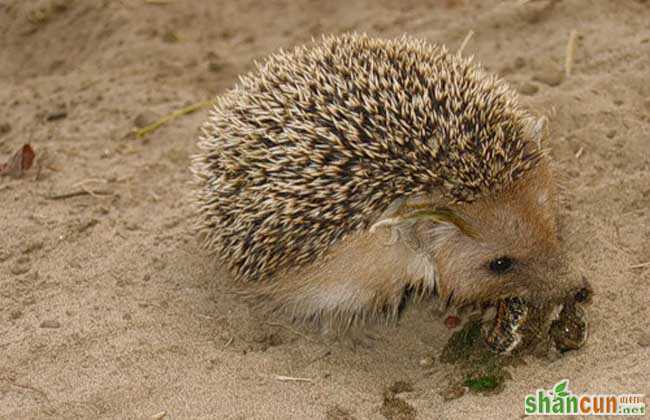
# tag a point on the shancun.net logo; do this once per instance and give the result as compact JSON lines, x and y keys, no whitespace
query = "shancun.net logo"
{"x":561,"y":401}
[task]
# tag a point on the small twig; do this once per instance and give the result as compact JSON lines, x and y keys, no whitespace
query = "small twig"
{"x":88,"y":181}
{"x":523,"y":2}
{"x":159,"y":416}
{"x":229,"y":342}
{"x":155,"y":305}
{"x":78,"y":193}
{"x":27,"y":387}
{"x":579,"y":152}
{"x":627,"y":213}
{"x":288,"y":328}
{"x":570,"y":52}
{"x":144,"y":131}
{"x":90,"y":192}
{"x":465,"y":41}
{"x":158,"y":2}
{"x":317,"y":358}
{"x":89,"y":83}
{"x":292,"y":379}
{"x":156,"y":197}
{"x":642,"y":265}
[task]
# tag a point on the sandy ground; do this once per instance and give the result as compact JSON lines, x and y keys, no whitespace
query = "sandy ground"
{"x":110,"y":309}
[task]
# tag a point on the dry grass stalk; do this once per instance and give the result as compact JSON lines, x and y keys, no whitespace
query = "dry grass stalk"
{"x":570,"y":53}
{"x":465,"y":42}
{"x":145,"y":131}
{"x":292,"y":379}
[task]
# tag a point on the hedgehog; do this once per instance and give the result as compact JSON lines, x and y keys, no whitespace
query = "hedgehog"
{"x":342,"y":180}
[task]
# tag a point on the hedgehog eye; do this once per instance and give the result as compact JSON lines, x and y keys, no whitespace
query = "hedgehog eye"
{"x":501,"y":265}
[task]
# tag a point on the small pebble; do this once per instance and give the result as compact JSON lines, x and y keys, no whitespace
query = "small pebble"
{"x":4,"y":255}
{"x":528,"y":88}
{"x":33,"y":246}
{"x":56,"y":64}
{"x":453,"y":393}
{"x":426,"y":362}
{"x":56,"y":115}
{"x":33,"y":276}
{"x":215,"y":63}
{"x":159,"y":264}
{"x":84,"y":226}
{"x":145,"y":118}
{"x":132,"y":226}
{"x":4,"y":128}
{"x":50,"y":324}
{"x":644,"y":340}
{"x":505,"y":70}
{"x":170,"y":37}
{"x":15,"y":314}
{"x":215,"y":66}
{"x":172,"y":223}
{"x":549,"y":76}
{"x":610,"y":134}
{"x":20,"y":268}
{"x":519,"y":62}
{"x":401,"y":386}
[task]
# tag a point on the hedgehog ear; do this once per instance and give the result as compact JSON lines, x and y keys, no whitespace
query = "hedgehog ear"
{"x":537,"y":129}
{"x":411,"y":213}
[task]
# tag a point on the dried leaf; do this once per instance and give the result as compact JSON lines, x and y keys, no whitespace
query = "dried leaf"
{"x":19,"y":163}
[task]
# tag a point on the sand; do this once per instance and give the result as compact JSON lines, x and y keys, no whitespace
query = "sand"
{"x":110,"y":309}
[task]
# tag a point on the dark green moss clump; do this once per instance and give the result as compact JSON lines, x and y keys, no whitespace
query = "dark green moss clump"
{"x":463,"y":343}
{"x":482,"y":384}
{"x":487,"y":378}
{"x":480,"y":370}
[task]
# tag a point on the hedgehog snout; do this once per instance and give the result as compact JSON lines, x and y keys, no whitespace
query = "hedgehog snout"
{"x":553,"y":306}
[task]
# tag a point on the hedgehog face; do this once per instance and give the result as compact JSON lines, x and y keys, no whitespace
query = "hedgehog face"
{"x":511,"y":247}
{"x":510,"y":251}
